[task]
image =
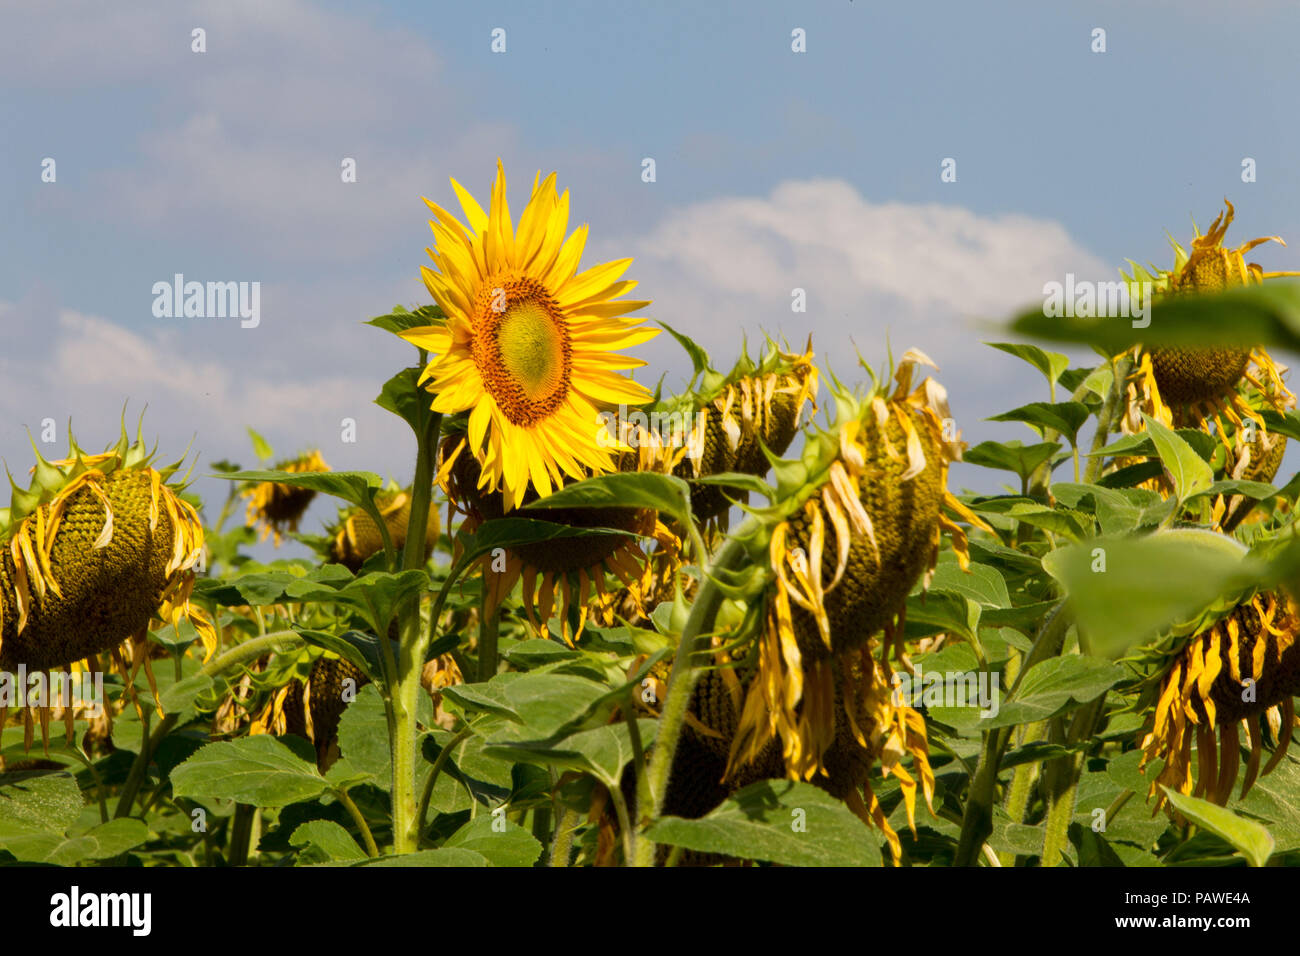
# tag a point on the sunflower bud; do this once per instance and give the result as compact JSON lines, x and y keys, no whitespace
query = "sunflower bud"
{"x":357,"y":537}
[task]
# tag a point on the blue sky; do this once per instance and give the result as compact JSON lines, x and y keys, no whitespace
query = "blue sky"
{"x":774,"y":170}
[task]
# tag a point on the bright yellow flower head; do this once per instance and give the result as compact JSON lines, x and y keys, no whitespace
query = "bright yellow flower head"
{"x":529,"y":343}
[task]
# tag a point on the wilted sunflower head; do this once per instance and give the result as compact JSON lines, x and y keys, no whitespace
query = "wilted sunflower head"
{"x":277,"y":508}
{"x":1186,"y":386}
{"x":724,"y":421}
{"x":306,"y":694}
{"x":94,"y":550}
{"x":1239,"y":669}
{"x":356,"y":536}
{"x":867,"y":724}
{"x":528,"y":343}
{"x":567,"y":574}
{"x":854,"y":524}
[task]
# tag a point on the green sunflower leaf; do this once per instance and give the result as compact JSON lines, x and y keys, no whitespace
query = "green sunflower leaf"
{"x":1142,"y":446}
{"x":543,"y":704}
{"x":778,"y":821}
{"x":632,"y":489}
{"x":942,"y":611}
{"x":1258,"y":490}
{"x":503,"y":842}
{"x":602,"y":752}
{"x":403,"y":396}
{"x":1054,"y":686}
{"x":1131,"y":476}
{"x":358,"y":648}
{"x":1013,"y":456}
{"x":1245,"y":316}
{"x":102,"y":842}
{"x":49,"y":800}
{"x":377,"y":595}
{"x":1251,"y":839}
{"x":400,"y":319}
{"x":1064,"y":418}
{"x":363,"y":737}
{"x":324,"y":841}
{"x":1051,"y":364}
{"x":1093,"y":849}
{"x":507,"y":533}
{"x":1287,"y":424}
{"x":354,"y":487}
{"x":1191,"y":474}
{"x":261,"y":771}
{"x":1126,"y":591}
{"x":261,"y":448}
{"x":699,"y":357}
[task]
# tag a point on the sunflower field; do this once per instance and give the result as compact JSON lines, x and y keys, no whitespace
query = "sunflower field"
{"x":749,"y":622}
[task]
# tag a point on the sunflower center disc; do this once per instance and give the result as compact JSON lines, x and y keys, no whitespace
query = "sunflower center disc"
{"x":531,"y":349}
{"x":522,"y":351}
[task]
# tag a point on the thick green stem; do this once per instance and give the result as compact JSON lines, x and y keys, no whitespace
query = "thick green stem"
{"x":241,"y":832}
{"x":1111,"y":409}
{"x":624,"y":823}
{"x":541,"y":825}
{"x":421,"y":495}
{"x":681,"y":682}
{"x":252,"y":650}
{"x":1022,"y":782}
{"x":488,"y":633}
{"x":1061,"y":781}
{"x":405,"y":738}
{"x":977,"y":821}
{"x":139,"y":768}
{"x":562,"y":842}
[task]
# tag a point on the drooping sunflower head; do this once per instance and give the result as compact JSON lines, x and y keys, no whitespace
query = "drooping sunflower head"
{"x":853,"y":526}
{"x":356,"y":536}
{"x":305,"y":695}
{"x":1188,"y":386}
{"x":724,"y":421}
{"x":528,"y":345}
{"x":865,"y":725}
{"x":1238,"y":671}
{"x":97,"y":548}
{"x":564,"y":575}
{"x":277,"y":508}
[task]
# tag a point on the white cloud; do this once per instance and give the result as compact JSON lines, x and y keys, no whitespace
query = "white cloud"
{"x":70,"y":365}
{"x":937,"y":277}
{"x":847,"y":252}
{"x":923,"y":274}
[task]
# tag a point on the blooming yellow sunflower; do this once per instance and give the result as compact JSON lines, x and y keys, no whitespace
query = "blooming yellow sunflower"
{"x":528,"y":343}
